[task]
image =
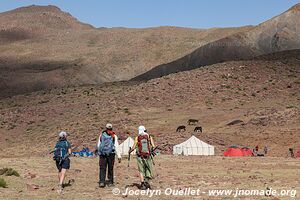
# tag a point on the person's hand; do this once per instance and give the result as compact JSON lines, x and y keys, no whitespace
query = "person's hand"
{"x":119,"y":160}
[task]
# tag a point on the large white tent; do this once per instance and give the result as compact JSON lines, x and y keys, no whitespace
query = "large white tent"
{"x":124,"y":147}
{"x":193,"y":146}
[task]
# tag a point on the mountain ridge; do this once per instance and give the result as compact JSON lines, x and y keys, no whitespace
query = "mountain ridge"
{"x":47,"y":36}
{"x":276,"y":34}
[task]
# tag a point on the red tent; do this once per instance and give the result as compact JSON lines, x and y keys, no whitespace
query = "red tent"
{"x":247,"y":152}
{"x":297,"y":155}
{"x":233,"y":151}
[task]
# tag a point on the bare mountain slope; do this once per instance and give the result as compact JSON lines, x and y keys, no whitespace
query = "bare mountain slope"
{"x":277,"y":34}
{"x":43,"y":47}
{"x":263,"y":93}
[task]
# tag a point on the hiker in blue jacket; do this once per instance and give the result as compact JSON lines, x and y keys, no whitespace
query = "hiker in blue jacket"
{"x":61,"y":156}
{"x":107,"y":148}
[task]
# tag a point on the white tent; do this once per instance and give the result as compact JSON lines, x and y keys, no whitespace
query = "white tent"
{"x":124,"y":147}
{"x":193,"y":146}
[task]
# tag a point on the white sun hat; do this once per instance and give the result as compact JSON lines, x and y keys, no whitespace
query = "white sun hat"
{"x":109,"y":126}
{"x":62,"y":134}
{"x":142,"y":130}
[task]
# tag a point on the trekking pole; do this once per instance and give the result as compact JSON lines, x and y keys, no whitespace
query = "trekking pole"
{"x":153,"y":154}
{"x":152,"y":160}
{"x":129,"y":152}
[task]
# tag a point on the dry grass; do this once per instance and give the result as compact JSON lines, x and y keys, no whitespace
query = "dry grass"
{"x":176,"y":172}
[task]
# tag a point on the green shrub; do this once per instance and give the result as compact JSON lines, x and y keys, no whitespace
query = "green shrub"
{"x":291,"y":106}
{"x":3,"y":183}
{"x":9,"y":172}
{"x":127,"y":112}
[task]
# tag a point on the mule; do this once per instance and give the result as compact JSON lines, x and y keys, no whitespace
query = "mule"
{"x":180,"y":128}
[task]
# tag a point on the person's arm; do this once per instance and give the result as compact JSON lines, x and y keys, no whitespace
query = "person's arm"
{"x":117,"y":147}
{"x":99,"y":141}
{"x":152,"y":142}
{"x":69,"y":148}
{"x":134,"y":146}
{"x":98,"y":144}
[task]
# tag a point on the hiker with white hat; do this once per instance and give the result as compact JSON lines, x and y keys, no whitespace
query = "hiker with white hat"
{"x":107,"y":148}
{"x":62,"y":151}
{"x":143,"y":144}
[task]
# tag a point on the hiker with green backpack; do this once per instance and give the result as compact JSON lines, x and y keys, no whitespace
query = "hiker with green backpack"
{"x":107,"y":149}
{"x":62,"y":151}
{"x":143,"y":145}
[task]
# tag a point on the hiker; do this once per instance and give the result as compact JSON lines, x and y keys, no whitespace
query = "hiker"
{"x":107,"y":148}
{"x":256,"y":148}
{"x":291,"y":150}
{"x":62,"y":151}
{"x":143,"y":144}
{"x":266,"y":150}
{"x":254,"y":152}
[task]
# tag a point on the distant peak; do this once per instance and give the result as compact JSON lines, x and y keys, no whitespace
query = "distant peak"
{"x":37,"y":8}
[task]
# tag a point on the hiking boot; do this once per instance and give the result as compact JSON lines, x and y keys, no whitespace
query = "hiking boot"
{"x":60,"y":189}
{"x":143,"y":186}
{"x":147,"y":183}
{"x":147,"y":179}
{"x":110,"y":185}
{"x":101,"y":185}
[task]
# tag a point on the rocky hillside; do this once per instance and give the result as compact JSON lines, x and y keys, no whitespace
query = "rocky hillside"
{"x":277,"y":34}
{"x":42,"y":47}
{"x":261,"y":95}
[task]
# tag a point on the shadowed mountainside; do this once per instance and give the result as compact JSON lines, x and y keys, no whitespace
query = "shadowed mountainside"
{"x":67,"y":52}
{"x":277,"y":34}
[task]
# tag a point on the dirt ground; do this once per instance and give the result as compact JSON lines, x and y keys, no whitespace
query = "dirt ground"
{"x":176,"y":172}
{"x":263,"y":94}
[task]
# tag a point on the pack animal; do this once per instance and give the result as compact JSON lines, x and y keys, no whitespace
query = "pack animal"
{"x":193,"y":121}
{"x":198,"y":129}
{"x":181,"y":128}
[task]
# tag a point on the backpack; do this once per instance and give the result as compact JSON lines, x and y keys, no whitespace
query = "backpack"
{"x":107,"y":145}
{"x":143,"y":146}
{"x":61,"y":150}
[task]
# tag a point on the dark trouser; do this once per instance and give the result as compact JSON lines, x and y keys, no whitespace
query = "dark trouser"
{"x":107,"y":162}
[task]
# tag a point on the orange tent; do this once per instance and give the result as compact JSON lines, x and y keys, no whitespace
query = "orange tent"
{"x":297,"y":155}
{"x":247,"y":152}
{"x":233,"y":151}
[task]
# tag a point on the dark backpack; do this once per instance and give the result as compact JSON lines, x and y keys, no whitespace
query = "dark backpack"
{"x":61,"y":150}
{"x":143,"y":146}
{"x":107,"y":145}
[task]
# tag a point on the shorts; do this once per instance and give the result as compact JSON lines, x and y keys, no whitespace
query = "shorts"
{"x":65,"y":164}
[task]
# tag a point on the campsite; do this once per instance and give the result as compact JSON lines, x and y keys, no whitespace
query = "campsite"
{"x":208,"y":110}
